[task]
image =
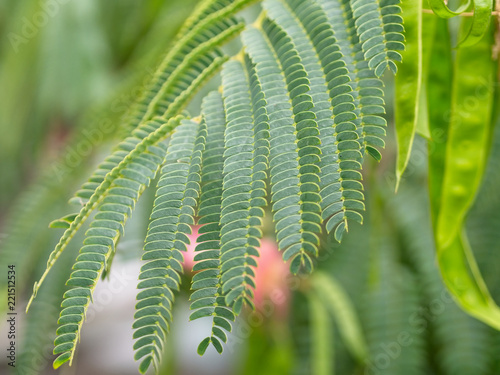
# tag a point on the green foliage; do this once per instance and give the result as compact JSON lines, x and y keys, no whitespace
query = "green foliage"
{"x":167,"y":237}
{"x":321,"y":338}
{"x":340,"y":306}
{"x":294,"y":185}
{"x":297,"y":110}
{"x":157,"y":131}
{"x":378,"y":25}
{"x":455,"y":336}
{"x":207,"y":297}
{"x":481,"y":18}
{"x":393,"y":298}
{"x":292,"y":109}
{"x":123,"y":189}
{"x":244,"y":182}
{"x":408,"y":85}
{"x":466,"y":155}
{"x":367,"y":88}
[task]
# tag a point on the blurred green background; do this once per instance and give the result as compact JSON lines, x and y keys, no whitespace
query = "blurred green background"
{"x":69,"y":70}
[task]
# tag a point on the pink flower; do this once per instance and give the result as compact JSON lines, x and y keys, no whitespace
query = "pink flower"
{"x":190,"y":253}
{"x":270,"y":276}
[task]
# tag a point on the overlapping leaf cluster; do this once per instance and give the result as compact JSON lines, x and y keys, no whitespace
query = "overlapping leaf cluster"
{"x":298,"y":108}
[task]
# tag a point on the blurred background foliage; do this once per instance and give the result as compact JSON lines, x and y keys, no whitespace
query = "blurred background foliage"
{"x":67,"y":80}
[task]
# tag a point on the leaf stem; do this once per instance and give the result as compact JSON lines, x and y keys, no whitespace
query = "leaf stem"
{"x":465,"y":14}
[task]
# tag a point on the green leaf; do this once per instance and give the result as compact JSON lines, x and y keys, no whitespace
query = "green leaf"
{"x":463,"y":279}
{"x":408,"y":86}
{"x":440,"y":7}
{"x":322,"y":338}
{"x":113,"y":178}
{"x":466,"y":155}
{"x":208,"y":257}
{"x":379,"y":28}
{"x":439,"y":83}
{"x":95,"y":258}
{"x":63,"y":222}
{"x":202,"y":348}
{"x":299,"y":107}
{"x":338,"y":303}
{"x":468,"y":137}
{"x":246,"y":124}
{"x":179,"y":179}
{"x":480,"y":23}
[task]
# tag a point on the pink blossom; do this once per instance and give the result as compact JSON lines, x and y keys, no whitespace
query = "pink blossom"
{"x":270,"y":275}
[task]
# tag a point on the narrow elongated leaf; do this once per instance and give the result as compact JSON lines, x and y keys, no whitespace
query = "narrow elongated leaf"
{"x":322,"y":337}
{"x":439,"y":83}
{"x":341,"y":308}
{"x":428,"y":38}
{"x":408,"y":85}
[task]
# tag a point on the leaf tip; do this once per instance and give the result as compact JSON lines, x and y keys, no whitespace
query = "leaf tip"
{"x":202,"y":348}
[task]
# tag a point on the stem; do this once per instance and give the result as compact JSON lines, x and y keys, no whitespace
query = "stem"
{"x":465,"y":14}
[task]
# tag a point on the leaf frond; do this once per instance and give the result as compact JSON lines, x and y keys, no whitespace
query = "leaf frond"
{"x":177,"y":193}
{"x":207,"y":299}
{"x":124,"y":187}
